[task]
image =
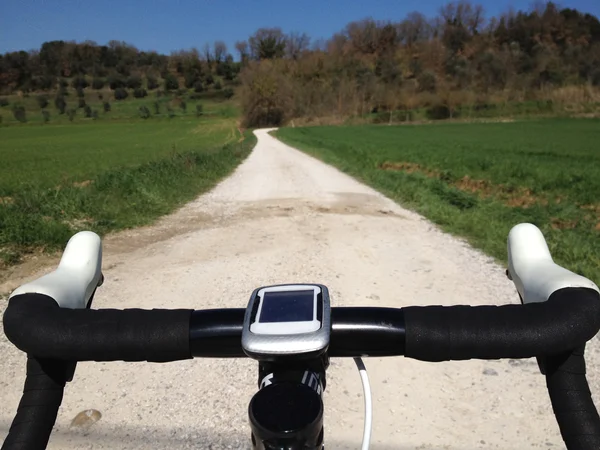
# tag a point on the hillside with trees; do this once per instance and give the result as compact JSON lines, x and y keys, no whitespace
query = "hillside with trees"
{"x":459,"y":63}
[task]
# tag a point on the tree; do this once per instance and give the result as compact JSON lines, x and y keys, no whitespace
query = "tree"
{"x":87,"y":111}
{"x":20,"y":114}
{"x":296,"y":44}
{"x":116,"y":81}
{"x":427,"y":81}
{"x":134,"y":82}
{"x":106,"y":107}
{"x":151,"y":82}
{"x":183,"y":106}
{"x":60,"y":104}
{"x":171,"y":82}
{"x":243,"y":50}
{"x":79,"y":82}
{"x":144,"y":112}
{"x":121,"y":94}
{"x":80,"y":93}
{"x":45,"y":116}
{"x":81,"y":103}
{"x":198,"y":86}
{"x":42,"y":101}
{"x":219,"y":52}
{"x":267,"y":43}
{"x":140,"y":93}
{"x":98,"y":83}
{"x":156,"y":108}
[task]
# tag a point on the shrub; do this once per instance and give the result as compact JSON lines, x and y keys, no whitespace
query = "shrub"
{"x":19,"y":113}
{"x":87,"y":111}
{"x":100,"y":97}
{"x":63,"y":83}
{"x":140,"y":93}
{"x":95,"y":114}
{"x":80,"y":93}
{"x":106,"y":106}
{"x":181,"y":92}
{"x":45,"y":116}
{"x":183,"y":106}
{"x":4,"y":101}
{"x":47,"y":82}
{"x":81,"y":103}
{"x":144,"y":112}
{"x":218,"y":86}
{"x":208,"y":79}
{"x":151,"y":82}
{"x":195,"y":96}
{"x":228,"y":93}
{"x":1,"y":120}
{"x":438,"y":112}
{"x":134,"y":82}
{"x":171,"y":82}
{"x":42,"y":101}
{"x":72,"y":113}
{"x":79,"y":82}
{"x":198,"y":86}
{"x":199,"y":110}
{"x":60,"y":104}
{"x":116,"y":81}
{"x":121,"y":94}
{"x":170,"y":112}
{"x":98,"y":83}
{"x":156,"y":108}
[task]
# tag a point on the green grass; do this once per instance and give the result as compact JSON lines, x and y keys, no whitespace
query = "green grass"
{"x":132,"y":174}
{"x":546,"y":172}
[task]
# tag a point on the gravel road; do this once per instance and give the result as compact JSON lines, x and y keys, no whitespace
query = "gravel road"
{"x":286,"y":217}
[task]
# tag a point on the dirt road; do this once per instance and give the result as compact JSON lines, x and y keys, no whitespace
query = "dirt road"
{"x":285,"y":217}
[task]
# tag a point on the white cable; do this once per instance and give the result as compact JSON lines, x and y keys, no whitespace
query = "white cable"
{"x":362,"y":370}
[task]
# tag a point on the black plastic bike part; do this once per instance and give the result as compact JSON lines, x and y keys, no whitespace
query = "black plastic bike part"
{"x":364,"y":331}
{"x":311,"y":372}
{"x":35,"y":324}
{"x":286,"y":416}
{"x":571,"y":399}
{"x":42,"y":396}
{"x":217,"y":333}
{"x":569,"y":319}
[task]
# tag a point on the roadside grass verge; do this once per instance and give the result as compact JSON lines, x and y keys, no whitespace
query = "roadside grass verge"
{"x":116,"y":188}
{"x":479,"y":180}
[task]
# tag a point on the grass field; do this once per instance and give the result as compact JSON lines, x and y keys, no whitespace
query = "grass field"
{"x":478,"y":180}
{"x":57,"y":179}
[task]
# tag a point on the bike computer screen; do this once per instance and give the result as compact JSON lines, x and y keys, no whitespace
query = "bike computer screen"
{"x":288,"y":320}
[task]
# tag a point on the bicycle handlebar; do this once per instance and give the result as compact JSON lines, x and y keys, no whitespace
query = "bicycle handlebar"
{"x":555,"y":331}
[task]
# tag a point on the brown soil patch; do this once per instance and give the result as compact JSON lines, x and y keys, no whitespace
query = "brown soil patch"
{"x":516,"y":198}
{"x":82,"y":184}
{"x":597,"y":227}
{"x":409,"y":167}
{"x":558,"y":224}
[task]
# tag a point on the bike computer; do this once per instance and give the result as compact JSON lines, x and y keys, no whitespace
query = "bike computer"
{"x":291,"y":320}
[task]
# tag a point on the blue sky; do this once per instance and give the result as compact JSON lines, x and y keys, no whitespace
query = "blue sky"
{"x":166,"y":25}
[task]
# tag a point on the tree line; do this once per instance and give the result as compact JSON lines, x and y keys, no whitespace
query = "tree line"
{"x":457,"y":60}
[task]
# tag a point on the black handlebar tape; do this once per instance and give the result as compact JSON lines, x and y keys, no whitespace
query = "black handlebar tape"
{"x":42,"y":396}
{"x":569,"y":318}
{"x":35,"y":324}
{"x":571,"y":399}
